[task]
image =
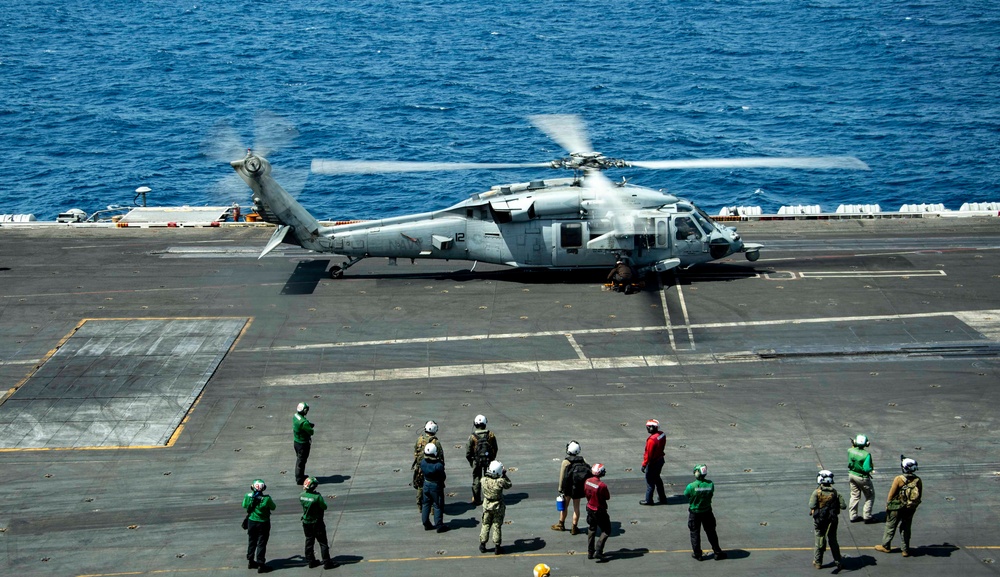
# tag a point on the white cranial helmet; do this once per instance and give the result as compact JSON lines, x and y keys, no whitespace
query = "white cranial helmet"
{"x":573,"y":448}
{"x":430,"y":450}
{"x":431,"y":428}
{"x":495,"y":469}
{"x":825,"y":477}
{"x":908,"y":465}
{"x":479,"y":421}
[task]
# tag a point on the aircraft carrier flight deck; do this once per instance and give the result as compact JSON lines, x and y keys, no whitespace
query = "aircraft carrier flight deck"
{"x":149,"y":375}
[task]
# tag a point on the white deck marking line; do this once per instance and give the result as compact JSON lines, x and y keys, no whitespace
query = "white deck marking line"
{"x":687,"y":319}
{"x":871,"y":274}
{"x":576,"y":346}
{"x":666,"y":318}
{"x":986,"y":322}
{"x":504,"y":368}
{"x":696,"y":326}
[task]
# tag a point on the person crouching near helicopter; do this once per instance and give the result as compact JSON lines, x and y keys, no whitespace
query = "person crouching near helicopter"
{"x":493,"y":484}
{"x":825,"y":506}
{"x":621,"y":277}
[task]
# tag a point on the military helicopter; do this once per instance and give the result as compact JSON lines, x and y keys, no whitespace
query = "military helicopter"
{"x":583,"y":221}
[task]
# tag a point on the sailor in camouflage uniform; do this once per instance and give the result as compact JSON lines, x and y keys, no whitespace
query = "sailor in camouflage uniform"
{"x":493,"y":484}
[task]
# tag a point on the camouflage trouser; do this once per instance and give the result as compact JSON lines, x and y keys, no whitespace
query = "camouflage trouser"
{"x":492,"y":523}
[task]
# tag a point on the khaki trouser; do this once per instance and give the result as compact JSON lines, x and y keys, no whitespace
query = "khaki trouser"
{"x":861,"y":486}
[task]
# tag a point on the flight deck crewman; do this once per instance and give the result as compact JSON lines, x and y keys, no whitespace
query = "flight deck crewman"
{"x":904,"y":497}
{"x":859,"y":467}
{"x":313,"y":526}
{"x":480,"y":450}
{"x":302,"y":432}
{"x":494,"y":483}
{"x":825,"y":505}
{"x":699,"y":494}
{"x":429,"y":436}
{"x":598,"y":520}
{"x":258,"y":525}
{"x":652,"y":463}
{"x":621,"y":277}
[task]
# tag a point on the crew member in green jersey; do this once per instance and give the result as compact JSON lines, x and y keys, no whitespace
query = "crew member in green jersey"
{"x":258,"y":507}
{"x":859,"y":467}
{"x":302,"y":432}
{"x":313,"y":506}
{"x":699,"y":495}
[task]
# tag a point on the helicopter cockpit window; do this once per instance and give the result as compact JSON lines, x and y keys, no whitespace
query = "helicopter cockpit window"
{"x":685,"y":228}
{"x":703,"y":220}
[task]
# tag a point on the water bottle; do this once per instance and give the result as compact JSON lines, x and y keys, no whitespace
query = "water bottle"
{"x":560,"y":504}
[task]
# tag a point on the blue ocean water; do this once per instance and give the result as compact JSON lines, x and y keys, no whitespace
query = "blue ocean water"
{"x":97,"y":99}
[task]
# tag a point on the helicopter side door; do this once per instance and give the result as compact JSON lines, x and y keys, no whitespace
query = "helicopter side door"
{"x":569,"y":243}
{"x":689,"y":240}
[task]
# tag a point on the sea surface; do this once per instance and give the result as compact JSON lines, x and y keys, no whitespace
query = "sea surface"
{"x":99,"y":98}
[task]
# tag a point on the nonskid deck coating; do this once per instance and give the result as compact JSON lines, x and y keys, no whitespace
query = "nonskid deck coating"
{"x":762,"y":370}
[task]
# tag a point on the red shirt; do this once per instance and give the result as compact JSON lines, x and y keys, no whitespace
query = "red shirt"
{"x":654,"y":447}
{"x":597,"y":494}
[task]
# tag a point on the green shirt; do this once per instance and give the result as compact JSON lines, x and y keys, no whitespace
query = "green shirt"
{"x":302,"y":429}
{"x":313,"y":506}
{"x":699,"y":495}
{"x":262,"y":512}
{"x":859,"y":462}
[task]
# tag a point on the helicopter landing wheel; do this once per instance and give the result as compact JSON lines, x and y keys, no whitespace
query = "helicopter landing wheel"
{"x":753,"y":255}
{"x":336,"y":272}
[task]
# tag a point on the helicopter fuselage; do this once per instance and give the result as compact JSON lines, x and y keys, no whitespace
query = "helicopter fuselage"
{"x":556,"y":223}
{"x":545,"y":224}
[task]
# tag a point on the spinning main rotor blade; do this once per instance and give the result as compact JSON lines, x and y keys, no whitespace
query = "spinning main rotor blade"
{"x":822,"y":162}
{"x":377,"y":166}
{"x":566,"y":129}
